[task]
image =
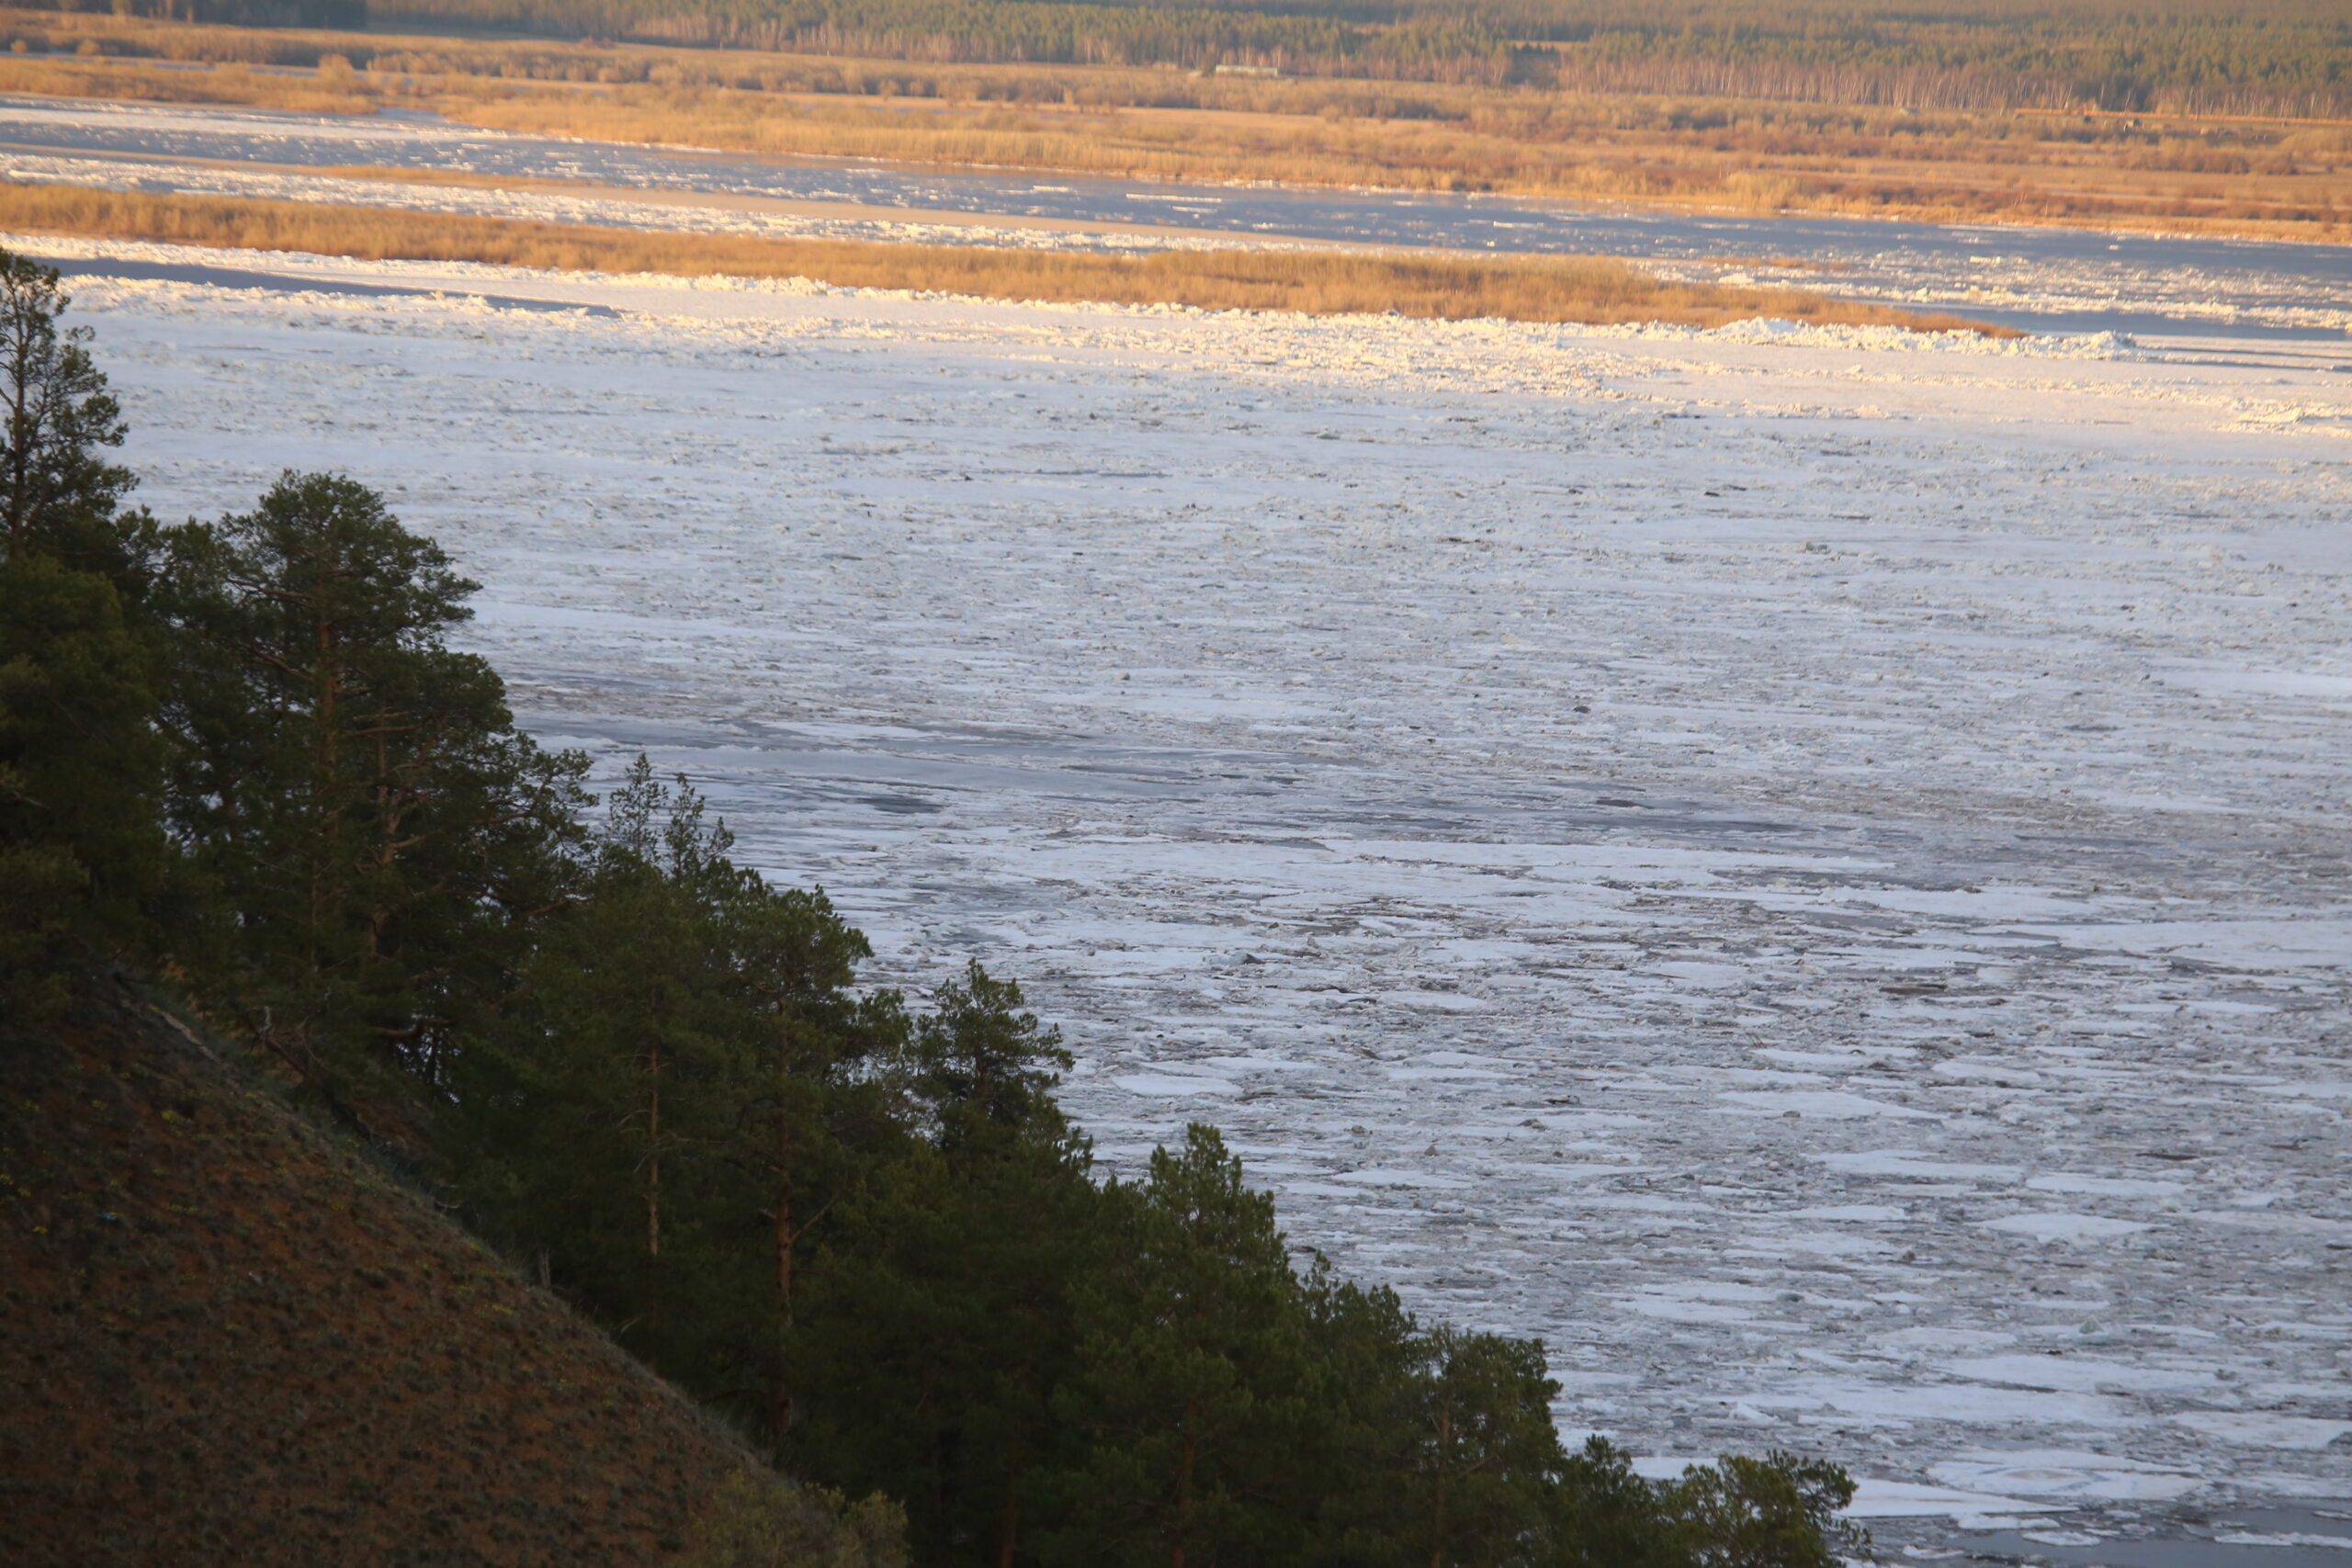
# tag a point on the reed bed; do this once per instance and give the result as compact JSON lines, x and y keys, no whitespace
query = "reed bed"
{"x":227,"y":83}
{"x":1590,"y":289}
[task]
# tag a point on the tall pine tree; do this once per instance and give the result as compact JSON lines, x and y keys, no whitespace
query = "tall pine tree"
{"x":1193,"y":1400}
{"x":1485,"y":1454}
{"x":821,"y":1107}
{"x":82,"y":856}
{"x":581,"y":1127}
{"x":60,"y":497}
{"x":945,"y":1292}
{"x":356,"y":790}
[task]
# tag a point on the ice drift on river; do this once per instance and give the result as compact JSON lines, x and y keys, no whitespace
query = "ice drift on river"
{"x":1807,"y":869}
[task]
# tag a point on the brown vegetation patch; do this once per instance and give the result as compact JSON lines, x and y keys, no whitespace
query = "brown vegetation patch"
{"x":232,"y":1341}
{"x":225,"y":84}
{"x":1590,"y":289}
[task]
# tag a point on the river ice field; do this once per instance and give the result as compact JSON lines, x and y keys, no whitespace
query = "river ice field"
{"x":1808,"y":868}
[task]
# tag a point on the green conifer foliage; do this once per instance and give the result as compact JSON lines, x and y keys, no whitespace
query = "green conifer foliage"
{"x":583,"y":1117}
{"x":355,"y":788}
{"x":1193,"y":1394}
{"x":986,"y":1068}
{"x":82,"y":856}
{"x":80,"y":849}
{"x":1368,"y":1352}
{"x":945,"y":1292}
{"x":821,"y":1104}
{"x":1780,"y":1511}
{"x":1487,"y":1453}
{"x":59,"y":497}
{"x":1603,"y":1516}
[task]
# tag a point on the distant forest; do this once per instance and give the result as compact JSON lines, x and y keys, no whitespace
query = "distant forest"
{"x":2290,"y":57}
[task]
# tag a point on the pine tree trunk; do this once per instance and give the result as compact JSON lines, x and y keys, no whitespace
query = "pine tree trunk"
{"x":1438,"y":1498}
{"x":780,"y":1397}
{"x":1437,"y":1501}
{"x":1184,"y":1464}
{"x":20,"y":440}
{"x":1009,"y":1529}
{"x":323,"y":759}
{"x":653,"y":1191}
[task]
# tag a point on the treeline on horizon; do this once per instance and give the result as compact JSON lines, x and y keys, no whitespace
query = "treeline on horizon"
{"x":240,"y":760}
{"x":2277,"y":57}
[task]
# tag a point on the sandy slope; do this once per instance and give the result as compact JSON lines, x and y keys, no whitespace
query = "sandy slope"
{"x":1806,"y":868}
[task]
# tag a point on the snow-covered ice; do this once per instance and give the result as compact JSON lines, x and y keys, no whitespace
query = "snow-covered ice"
{"x":1806,"y":867}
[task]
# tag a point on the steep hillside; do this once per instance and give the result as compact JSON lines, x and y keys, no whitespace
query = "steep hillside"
{"x":230,"y":1341}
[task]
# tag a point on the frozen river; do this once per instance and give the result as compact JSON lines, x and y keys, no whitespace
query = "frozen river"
{"x":1806,"y":868}
{"x":2056,"y":280}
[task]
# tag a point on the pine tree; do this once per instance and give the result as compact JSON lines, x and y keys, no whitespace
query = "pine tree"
{"x":1487,"y":1453}
{"x":1604,"y":1516}
{"x":583,"y":1120}
{"x":947,"y":1295}
{"x":59,"y":497}
{"x":81,"y":850}
{"x":986,"y":1068}
{"x":1370,"y":1366}
{"x":82,"y":856}
{"x":1192,"y":1394}
{"x":819,"y":1102}
{"x":1780,"y":1511}
{"x":355,"y":788}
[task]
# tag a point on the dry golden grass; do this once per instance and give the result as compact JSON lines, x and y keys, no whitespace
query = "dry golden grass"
{"x":1524,"y":289}
{"x":2219,"y":174}
{"x":227,"y":83}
